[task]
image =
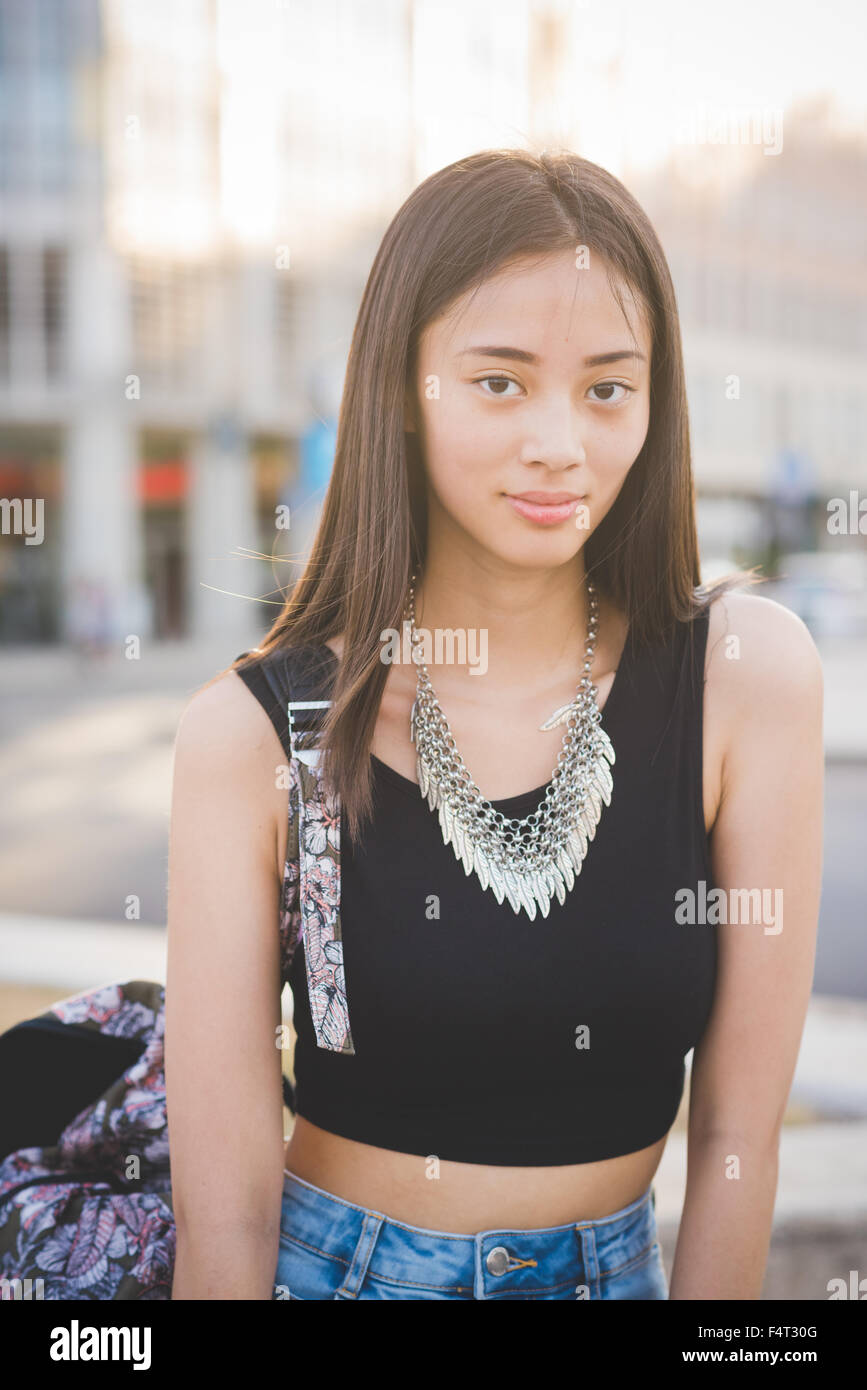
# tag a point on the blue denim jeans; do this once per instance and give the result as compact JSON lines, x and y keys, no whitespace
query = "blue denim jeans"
{"x":330,"y":1248}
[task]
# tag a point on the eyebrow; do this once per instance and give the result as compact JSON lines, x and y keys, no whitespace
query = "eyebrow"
{"x":600,"y":359}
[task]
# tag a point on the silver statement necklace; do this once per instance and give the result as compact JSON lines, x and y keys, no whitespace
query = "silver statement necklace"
{"x":529,"y":860}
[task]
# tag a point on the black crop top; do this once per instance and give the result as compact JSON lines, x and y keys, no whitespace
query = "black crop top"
{"x":483,"y":1037}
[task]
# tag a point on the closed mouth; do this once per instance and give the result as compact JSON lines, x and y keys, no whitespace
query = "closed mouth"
{"x":540,"y":499}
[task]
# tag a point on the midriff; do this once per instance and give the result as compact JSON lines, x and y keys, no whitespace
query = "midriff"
{"x":467,"y":1197}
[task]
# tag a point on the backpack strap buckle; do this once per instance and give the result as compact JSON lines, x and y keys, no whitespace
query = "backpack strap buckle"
{"x":300,"y":726}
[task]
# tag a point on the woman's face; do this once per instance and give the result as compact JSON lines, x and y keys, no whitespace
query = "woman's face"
{"x":511,"y":401}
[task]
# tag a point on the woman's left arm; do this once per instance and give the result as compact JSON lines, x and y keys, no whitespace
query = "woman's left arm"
{"x":766,"y":685}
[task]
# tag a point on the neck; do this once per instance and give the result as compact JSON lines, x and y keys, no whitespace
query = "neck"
{"x":531,"y":624}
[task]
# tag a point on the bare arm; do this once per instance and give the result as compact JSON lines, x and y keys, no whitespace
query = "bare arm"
{"x":222,"y":1065}
{"x":768,"y":835}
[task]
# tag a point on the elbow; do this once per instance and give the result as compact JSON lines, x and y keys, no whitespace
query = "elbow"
{"x":736,"y":1143}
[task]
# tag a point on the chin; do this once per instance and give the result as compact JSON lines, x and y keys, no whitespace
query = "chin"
{"x":538,"y":552}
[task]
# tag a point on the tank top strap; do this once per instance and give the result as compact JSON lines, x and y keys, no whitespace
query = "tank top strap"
{"x":664,"y":728}
{"x":689,"y":654}
{"x":655,"y":706}
{"x":294,"y":686}
{"x":690,"y":699}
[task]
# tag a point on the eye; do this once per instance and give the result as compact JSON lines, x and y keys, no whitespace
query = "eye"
{"x":607,"y":385}
{"x":503,"y":380}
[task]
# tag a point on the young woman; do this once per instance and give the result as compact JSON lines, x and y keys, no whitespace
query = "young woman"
{"x":561,"y":867}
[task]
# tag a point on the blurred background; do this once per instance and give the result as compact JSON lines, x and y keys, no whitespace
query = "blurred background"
{"x":191,"y":196}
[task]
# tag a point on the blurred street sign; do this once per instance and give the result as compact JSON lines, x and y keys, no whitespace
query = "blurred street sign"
{"x":225,"y":432}
{"x":793,"y":477}
{"x":318,"y":444}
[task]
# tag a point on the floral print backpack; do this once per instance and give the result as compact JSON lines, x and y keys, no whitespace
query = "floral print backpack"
{"x":86,"y":1212}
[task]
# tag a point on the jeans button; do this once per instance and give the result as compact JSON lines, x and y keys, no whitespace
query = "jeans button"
{"x":497,"y":1260}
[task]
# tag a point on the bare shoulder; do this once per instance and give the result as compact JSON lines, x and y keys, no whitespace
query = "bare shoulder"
{"x":761,"y":662}
{"x":223,"y":727}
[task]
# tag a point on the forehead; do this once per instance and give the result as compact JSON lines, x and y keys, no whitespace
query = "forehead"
{"x":544,"y":304}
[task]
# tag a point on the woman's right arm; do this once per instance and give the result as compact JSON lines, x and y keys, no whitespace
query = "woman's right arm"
{"x":222,"y":1063}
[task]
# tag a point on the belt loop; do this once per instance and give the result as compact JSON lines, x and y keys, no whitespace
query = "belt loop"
{"x":370,"y":1228}
{"x":590,"y":1263}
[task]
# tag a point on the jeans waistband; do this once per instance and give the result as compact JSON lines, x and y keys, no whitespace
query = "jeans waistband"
{"x":487,"y":1262}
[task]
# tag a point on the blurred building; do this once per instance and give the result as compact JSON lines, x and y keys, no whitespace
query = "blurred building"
{"x":771,"y":278}
{"x":184,"y":237}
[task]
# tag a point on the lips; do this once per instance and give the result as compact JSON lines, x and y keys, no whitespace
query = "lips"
{"x":545,"y":508}
{"x":545,"y":499}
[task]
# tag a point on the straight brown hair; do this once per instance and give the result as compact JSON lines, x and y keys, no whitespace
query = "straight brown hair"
{"x":457,"y":228}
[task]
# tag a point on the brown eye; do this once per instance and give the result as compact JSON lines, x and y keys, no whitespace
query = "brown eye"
{"x":610,"y":386}
{"x":501,"y":380}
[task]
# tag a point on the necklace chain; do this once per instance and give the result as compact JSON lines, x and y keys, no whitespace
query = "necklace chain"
{"x":529,"y":860}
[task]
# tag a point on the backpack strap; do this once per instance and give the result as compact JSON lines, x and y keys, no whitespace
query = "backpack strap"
{"x":299,"y":682}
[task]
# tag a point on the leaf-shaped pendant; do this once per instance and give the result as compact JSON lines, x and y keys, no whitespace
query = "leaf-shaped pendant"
{"x":480,"y":863}
{"x":528,"y":897}
{"x":554,"y":881}
{"x":607,"y":748}
{"x":558,"y":717}
{"x":464,"y":848}
{"x":575,"y":851}
{"x":603,"y":779}
{"x":564,"y":864}
{"x":421,"y":774}
{"x":498,"y":883}
{"x":512,"y":891}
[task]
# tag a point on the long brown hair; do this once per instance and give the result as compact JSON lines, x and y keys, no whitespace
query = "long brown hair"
{"x":457,"y":228}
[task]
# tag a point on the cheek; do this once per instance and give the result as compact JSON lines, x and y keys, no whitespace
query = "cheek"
{"x":458,"y":483}
{"x":642,"y":422}
{"x":460,"y":476}
{"x":618,"y":442}
{"x":458,"y":451}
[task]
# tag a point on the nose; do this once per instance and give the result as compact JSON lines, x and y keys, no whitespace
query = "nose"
{"x":556,"y":438}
